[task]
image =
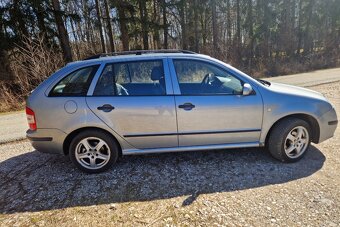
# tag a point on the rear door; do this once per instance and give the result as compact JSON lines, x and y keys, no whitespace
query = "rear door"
{"x":135,"y":99}
{"x":211,"y":109}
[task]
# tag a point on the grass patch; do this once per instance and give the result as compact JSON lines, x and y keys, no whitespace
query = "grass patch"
{"x":11,"y":112}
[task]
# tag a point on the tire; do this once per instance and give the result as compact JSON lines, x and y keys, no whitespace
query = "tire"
{"x":289,"y":140}
{"x":93,"y":151}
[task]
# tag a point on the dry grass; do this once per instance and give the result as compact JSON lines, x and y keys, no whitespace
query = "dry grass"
{"x":30,"y":64}
{"x":9,"y":101}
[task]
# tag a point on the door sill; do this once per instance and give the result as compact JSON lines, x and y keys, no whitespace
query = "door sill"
{"x":190,"y":148}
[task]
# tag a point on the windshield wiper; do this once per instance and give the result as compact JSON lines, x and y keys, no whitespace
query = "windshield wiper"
{"x":264,"y":82}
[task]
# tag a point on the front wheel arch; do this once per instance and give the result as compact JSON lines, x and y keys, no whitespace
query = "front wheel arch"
{"x":70,"y":136}
{"x":313,"y":123}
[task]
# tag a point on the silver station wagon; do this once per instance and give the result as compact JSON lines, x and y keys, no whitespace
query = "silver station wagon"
{"x":141,"y":102}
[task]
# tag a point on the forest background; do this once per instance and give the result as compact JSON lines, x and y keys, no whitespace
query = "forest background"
{"x":261,"y":37}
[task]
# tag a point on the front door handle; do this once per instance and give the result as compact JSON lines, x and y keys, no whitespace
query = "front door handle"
{"x":105,"y":108}
{"x":187,"y":106}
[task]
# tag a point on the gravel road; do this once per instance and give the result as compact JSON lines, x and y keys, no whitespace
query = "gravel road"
{"x":237,"y":187}
{"x":13,"y":127}
{"x":310,"y":78}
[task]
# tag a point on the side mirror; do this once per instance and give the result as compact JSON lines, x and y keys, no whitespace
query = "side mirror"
{"x":247,"y":89}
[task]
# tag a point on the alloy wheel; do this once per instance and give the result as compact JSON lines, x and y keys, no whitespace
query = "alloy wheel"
{"x":296,"y":142}
{"x":92,"y":153}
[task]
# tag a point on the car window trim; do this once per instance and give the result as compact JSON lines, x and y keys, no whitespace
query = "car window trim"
{"x":206,"y":62}
{"x":168,"y":82}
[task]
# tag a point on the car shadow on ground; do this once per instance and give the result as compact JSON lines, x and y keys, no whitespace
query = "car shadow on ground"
{"x":36,"y":182}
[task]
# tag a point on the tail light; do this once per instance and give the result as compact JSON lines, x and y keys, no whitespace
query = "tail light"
{"x":32,"y":124}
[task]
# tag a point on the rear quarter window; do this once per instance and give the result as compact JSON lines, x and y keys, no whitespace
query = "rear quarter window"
{"x":76,"y":83}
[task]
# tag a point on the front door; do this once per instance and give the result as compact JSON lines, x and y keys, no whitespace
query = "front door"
{"x":211,"y":109}
{"x":131,"y":98}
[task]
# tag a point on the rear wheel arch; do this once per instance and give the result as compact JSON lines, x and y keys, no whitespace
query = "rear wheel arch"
{"x":313,"y":123}
{"x":70,"y":137}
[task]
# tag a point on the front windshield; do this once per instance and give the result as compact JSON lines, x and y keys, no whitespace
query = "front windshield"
{"x":238,"y":71}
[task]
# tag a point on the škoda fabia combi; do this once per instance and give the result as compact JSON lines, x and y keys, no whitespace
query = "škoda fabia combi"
{"x":163,"y":101}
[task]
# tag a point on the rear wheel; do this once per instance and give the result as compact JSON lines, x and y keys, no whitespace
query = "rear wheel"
{"x":289,"y":140}
{"x":93,"y":151}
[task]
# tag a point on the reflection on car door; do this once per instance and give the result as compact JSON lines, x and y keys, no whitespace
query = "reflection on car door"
{"x":213,"y":111}
{"x":144,"y":115}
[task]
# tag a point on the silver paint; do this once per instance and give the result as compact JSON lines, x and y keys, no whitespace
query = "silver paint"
{"x":138,"y":115}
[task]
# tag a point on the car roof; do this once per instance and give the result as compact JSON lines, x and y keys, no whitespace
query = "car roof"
{"x":137,"y":57}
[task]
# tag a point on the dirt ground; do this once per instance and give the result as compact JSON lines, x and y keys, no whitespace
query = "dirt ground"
{"x":238,"y":187}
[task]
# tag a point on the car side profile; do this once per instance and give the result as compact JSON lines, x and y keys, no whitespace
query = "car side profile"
{"x":140,"y":102}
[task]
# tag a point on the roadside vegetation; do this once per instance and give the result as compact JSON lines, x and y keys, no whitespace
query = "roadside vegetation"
{"x":260,"y":37}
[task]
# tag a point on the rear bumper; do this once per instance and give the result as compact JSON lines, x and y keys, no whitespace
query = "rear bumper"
{"x":328,"y":125}
{"x":47,"y":140}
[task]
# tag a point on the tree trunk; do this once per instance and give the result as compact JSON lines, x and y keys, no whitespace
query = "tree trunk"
{"x":228,"y":30}
{"x":19,"y":15}
{"x":183,"y":24}
{"x":109,"y":26}
{"x":86,"y":20}
{"x":39,"y":11}
{"x":238,"y":31}
{"x":308,"y":42}
{"x":156,"y":19}
{"x":251,"y":34}
{"x":76,"y":42}
{"x":204,"y":29}
{"x":165,"y":25}
{"x":298,"y":50}
{"x":292,"y":36}
{"x":196,"y":26}
{"x":144,"y":23}
{"x":100,"y":26}
{"x":62,"y":33}
{"x":265,"y":51}
{"x":214,"y":29}
{"x":123,"y":25}
{"x":5,"y":70}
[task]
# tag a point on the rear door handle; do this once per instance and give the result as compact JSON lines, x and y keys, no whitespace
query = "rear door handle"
{"x":105,"y":108}
{"x":187,"y":106}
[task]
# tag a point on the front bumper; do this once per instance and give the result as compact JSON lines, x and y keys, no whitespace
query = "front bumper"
{"x":47,"y":140}
{"x":328,"y":123}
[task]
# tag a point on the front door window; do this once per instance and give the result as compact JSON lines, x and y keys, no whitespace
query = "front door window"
{"x":201,"y":78}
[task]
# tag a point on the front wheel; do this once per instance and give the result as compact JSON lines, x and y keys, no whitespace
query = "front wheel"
{"x":289,"y":140}
{"x":93,"y":151}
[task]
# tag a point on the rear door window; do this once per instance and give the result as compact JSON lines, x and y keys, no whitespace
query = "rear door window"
{"x":142,"y":78}
{"x":76,"y":83}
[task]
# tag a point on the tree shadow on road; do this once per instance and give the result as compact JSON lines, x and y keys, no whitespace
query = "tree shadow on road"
{"x":36,"y":182}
